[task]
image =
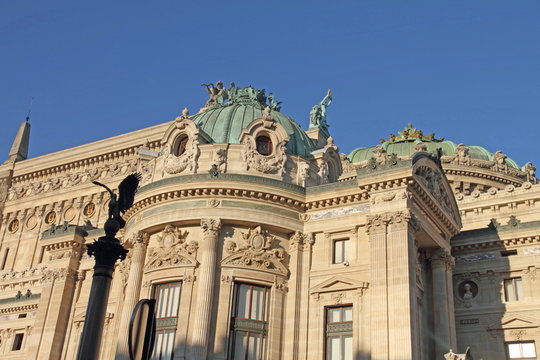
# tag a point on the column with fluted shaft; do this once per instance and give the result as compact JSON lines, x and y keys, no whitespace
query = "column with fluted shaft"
{"x":442,"y":264}
{"x":133,"y":288}
{"x":207,"y":279}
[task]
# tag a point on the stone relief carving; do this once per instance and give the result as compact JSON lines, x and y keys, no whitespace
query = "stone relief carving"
{"x":500,"y":162}
{"x":220,"y":160}
{"x":173,"y":249}
{"x":346,"y":164}
{"x":461,"y":155}
{"x":175,"y":164}
{"x":529,"y":169}
{"x":433,"y":180}
{"x":389,"y":196}
{"x":72,"y":179}
{"x":323,"y":172}
{"x":303,"y":173}
{"x":271,"y":164}
{"x":255,"y":250}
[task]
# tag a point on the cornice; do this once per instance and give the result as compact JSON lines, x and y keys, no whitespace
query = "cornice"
{"x":18,"y":308}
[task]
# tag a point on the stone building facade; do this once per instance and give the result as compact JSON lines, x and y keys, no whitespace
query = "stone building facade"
{"x":260,"y":241}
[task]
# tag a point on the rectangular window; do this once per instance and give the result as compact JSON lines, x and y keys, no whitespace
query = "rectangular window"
{"x":513,"y":290}
{"x":167,"y":303}
{"x":521,"y":350}
{"x":339,"y":333}
{"x":249,"y":322}
{"x":17,"y":342}
{"x":340,"y":251}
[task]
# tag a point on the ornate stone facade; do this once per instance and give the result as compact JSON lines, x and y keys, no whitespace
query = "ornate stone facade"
{"x":428,"y":250}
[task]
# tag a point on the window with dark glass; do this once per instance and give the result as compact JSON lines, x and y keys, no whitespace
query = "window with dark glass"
{"x":339,"y":328}
{"x":525,"y":350}
{"x":264,"y":145}
{"x":513,"y":290}
{"x":167,"y":303}
{"x":249,"y":323}
{"x":340,"y":251}
{"x":182,"y":144}
{"x":17,"y":342}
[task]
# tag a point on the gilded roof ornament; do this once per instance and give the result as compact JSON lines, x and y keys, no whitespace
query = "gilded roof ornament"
{"x":410,"y":133}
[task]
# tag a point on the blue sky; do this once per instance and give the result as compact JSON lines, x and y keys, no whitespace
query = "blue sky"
{"x":467,"y":70}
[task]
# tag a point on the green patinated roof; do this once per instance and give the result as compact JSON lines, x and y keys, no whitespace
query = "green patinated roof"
{"x":404,"y":144}
{"x":224,"y":122}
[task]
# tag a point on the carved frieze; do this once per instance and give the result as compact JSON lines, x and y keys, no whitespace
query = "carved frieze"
{"x":255,"y":251}
{"x":68,"y":180}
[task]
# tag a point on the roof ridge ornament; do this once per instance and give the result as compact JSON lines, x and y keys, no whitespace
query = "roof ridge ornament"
{"x":409,"y":134}
{"x":219,"y":96}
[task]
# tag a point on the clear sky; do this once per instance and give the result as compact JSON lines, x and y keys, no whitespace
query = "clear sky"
{"x":467,"y":70}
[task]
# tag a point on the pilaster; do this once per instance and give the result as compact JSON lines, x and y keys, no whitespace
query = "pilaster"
{"x":442,"y":264}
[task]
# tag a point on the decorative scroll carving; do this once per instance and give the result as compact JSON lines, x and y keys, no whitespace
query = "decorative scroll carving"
{"x":255,"y":251}
{"x":175,"y":164}
{"x":271,"y":164}
{"x":173,"y":250}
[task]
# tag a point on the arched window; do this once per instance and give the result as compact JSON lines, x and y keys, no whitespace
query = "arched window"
{"x":181,"y":147}
{"x":264,"y":145}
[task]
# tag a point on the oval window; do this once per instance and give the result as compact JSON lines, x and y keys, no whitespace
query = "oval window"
{"x":50,"y":218}
{"x":89,"y":209}
{"x":264,"y":145}
{"x":182,"y":144}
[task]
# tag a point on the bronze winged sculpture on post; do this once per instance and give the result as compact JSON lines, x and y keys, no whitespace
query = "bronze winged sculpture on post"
{"x":106,"y":250}
{"x":120,"y":203}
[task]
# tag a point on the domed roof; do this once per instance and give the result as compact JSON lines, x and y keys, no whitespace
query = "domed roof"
{"x":404,"y":144}
{"x":224,"y":120}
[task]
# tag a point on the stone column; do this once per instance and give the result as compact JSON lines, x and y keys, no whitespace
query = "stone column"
{"x":444,"y":326}
{"x":207,"y":279}
{"x":133,"y":289}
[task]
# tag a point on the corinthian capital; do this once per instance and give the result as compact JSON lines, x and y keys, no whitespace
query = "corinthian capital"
{"x":211,"y":226}
{"x":140,"y":238}
{"x":442,"y":257}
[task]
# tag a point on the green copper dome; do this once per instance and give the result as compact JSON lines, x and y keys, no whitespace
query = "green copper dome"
{"x":404,"y":144}
{"x":224,"y":121}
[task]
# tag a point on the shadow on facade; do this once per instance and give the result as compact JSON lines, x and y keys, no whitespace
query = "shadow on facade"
{"x":484,"y":287}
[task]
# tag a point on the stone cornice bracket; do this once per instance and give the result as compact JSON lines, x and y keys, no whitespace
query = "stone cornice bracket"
{"x":211,"y":226}
{"x":442,"y":257}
